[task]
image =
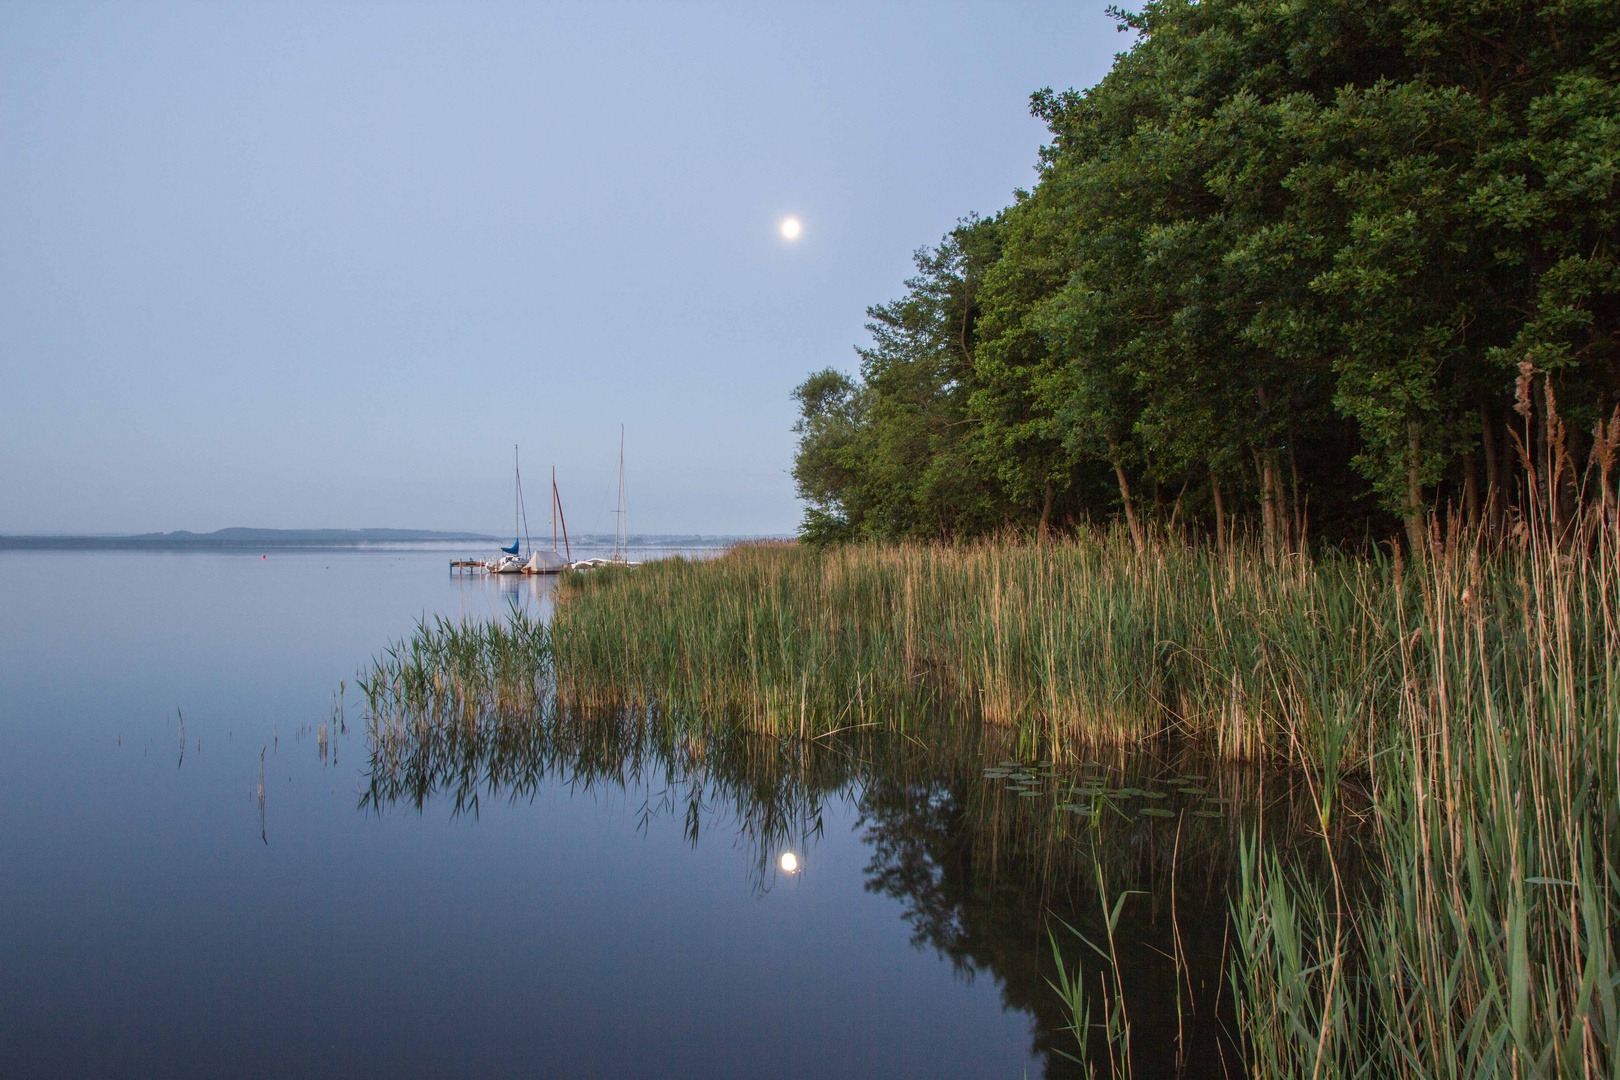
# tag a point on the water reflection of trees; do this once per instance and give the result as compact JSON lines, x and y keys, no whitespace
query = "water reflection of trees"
{"x":981,"y":874}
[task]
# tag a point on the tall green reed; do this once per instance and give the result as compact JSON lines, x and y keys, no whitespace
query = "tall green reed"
{"x":1075,"y":643}
{"x":1483,"y":944}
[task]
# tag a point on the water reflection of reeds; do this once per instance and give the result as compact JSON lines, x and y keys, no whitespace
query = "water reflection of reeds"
{"x":983,"y":874}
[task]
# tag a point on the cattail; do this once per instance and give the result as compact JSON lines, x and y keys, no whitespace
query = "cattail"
{"x":1555,"y":426}
{"x":1522,"y":451}
{"x":1605,"y":443}
{"x":1521,"y":388}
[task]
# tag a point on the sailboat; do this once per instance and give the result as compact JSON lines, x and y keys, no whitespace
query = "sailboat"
{"x":511,"y":562}
{"x":621,"y":528}
{"x":553,"y":561}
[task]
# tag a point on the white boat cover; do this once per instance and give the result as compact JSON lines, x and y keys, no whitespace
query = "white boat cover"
{"x":545,"y":562}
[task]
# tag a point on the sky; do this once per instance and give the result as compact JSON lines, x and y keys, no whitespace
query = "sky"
{"x":325,"y":265}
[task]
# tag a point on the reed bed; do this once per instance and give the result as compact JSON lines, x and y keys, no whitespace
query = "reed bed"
{"x":1452,"y":723}
{"x":454,"y":675}
{"x":1483,"y":944}
{"x":1076,"y":643}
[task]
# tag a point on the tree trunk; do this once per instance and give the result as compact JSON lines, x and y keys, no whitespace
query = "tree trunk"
{"x":1125,"y":497}
{"x":1493,"y":476}
{"x":1298,"y":540}
{"x":1471,"y":488}
{"x":1279,"y":503}
{"x":1220,"y":513}
{"x":1268,"y":510}
{"x":1516,"y":479}
{"x":1413,"y":511}
{"x":1046,"y":512}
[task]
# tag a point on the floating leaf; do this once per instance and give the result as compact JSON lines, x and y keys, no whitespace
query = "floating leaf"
{"x":1154,"y":811}
{"x":1152,"y":794}
{"x":1546,"y":881}
{"x":1028,"y":794}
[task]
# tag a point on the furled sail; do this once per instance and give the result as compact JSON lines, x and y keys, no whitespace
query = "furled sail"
{"x":545,"y":562}
{"x":511,"y":550}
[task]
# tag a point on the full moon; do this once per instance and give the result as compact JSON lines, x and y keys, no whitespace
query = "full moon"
{"x":790,"y":228}
{"x":790,"y":862}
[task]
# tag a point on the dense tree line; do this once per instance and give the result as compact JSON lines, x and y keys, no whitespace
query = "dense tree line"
{"x":1318,"y":266}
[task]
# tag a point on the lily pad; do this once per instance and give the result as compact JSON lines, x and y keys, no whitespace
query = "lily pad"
{"x":1028,"y":794}
{"x":1154,"y":811}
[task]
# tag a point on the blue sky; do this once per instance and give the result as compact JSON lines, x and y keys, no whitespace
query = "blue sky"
{"x":293,"y":266}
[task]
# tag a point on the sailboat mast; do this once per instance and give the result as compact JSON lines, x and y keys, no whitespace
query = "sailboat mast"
{"x":554,"y":508}
{"x":517,"y":494}
{"x":561,"y":517}
{"x":622,"y":541}
{"x":522,"y":513}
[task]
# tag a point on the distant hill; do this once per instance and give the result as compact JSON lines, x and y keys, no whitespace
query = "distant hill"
{"x":236,"y":539}
{"x":239,"y":539}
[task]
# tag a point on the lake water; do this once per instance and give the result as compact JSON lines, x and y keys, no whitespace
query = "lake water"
{"x":596,"y":903}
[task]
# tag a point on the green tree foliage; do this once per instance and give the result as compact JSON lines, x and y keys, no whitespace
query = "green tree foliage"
{"x":1285,"y":263}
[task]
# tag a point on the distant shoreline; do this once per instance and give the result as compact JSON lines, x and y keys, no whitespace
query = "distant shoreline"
{"x":245,"y":540}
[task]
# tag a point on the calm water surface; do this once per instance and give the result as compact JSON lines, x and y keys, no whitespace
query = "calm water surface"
{"x":148,"y":926}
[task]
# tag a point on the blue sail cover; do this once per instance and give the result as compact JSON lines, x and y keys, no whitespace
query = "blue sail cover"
{"x":511,"y":550}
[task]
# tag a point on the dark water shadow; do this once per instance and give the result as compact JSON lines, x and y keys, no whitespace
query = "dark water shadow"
{"x":990,"y":853}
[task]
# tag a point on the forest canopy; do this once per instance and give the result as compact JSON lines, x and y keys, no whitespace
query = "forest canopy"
{"x":1316,"y":268}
